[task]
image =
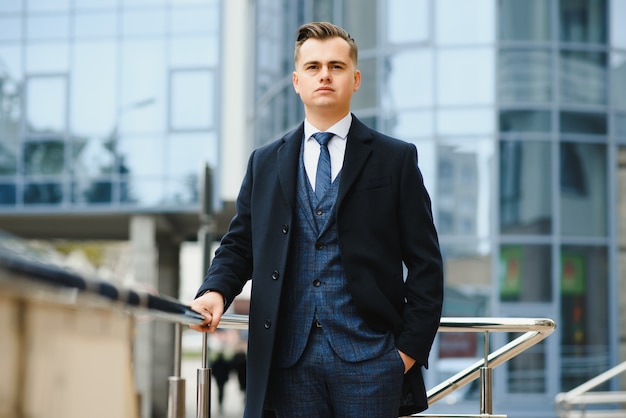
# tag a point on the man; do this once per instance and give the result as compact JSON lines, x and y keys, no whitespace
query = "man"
{"x":335,"y":327}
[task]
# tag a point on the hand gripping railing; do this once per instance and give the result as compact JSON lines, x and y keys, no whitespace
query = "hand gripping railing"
{"x":534,"y":330}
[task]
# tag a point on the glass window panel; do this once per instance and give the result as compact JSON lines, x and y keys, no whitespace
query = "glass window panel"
{"x":465,"y":121}
{"x":93,"y":157}
{"x":9,"y":152}
{"x":410,"y":124}
{"x":188,"y":153}
{"x":10,"y":28}
{"x":183,"y":191}
{"x":415,"y":65}
{"x":194,"y":52}
{"x":360,"y":20}
{"x":143,"y":105}
{"x":53,"y":57}
{"x":583,"y":123}
{"x":43,"y":193}
{"x":94,"y":96}
{"x":46,"y":104}
{"x":525,"y":187}
{"x":94,"y":192}
{"x":618,"y":29}
{"x":464,"y":22}
{"x":525,"y":273}
{"x":525,"y":76}
{"x":8,"y":194}
{"x":584,"y":319}
{"x":44,"y":157}
{"x":583,"y":21}
{"x":192,"y":99}
{"x":48,"y":5}
{"x":473,"y":85}
{"x":96,"y":4}
{"x":620,"y":124}
{"x":408,"y":21}
{"x":618,"y":80}
{"x":323,"y":11}
{"x":143,"y":22}
{"x":525,"y":121}
{"x":142,"y":192}
{"x":11,"y":63}
{"x":47,"y":27}
{"x":526,"y":20}
{"x":463,"y":186}
{"x":11,"y":6}
{"x":95,"y":24}
{"x":583,"y":189}
{"x":366,"y":97}
{"x":583,"y":77}
{"x":134,"y":3}
{"x":135,"y":161}
{"x":528,"y":371}
{"x":194,"y":20}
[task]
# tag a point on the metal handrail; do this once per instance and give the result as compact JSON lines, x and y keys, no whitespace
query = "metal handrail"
{"x":565,"y":401}
{"x":534,"y":330}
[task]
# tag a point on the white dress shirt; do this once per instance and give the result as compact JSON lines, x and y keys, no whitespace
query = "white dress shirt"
{"x":336,"y":147}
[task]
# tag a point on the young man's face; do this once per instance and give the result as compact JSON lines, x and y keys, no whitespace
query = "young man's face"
{"x":325,"y":76}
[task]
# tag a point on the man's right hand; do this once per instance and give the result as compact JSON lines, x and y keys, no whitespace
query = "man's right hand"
{"x":211,"y":305}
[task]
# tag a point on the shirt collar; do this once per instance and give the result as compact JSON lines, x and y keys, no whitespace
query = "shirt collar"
{"x":340,"y":128}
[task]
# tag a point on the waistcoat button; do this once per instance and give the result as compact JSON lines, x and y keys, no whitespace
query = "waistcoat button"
{"x":316,"y":283}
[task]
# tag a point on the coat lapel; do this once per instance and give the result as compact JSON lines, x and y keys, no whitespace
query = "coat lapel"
{"x":287,"y":161}
{"x":358,"y":150}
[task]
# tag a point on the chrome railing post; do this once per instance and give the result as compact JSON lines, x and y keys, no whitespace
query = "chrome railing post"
{"x":176,"y":396}
{"x":203,"y":389}
{"x":486,"y":397}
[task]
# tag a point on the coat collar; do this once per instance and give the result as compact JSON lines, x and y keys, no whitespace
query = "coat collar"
{"x":358,"y":149}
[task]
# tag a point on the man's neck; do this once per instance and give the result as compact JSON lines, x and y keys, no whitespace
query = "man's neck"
{"x":324,"y":121}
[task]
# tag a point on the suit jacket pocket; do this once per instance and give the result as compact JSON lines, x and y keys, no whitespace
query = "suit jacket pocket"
{"x":374,"y":183}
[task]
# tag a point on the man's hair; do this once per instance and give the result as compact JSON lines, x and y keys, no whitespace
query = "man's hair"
{"x":324,"y":30}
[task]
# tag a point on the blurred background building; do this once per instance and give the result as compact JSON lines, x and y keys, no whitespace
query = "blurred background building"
{"x":111,"y":109}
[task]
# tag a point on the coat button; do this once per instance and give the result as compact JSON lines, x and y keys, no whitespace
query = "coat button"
{"x":316,"y":283}
{"x":268,"y":324}
{"x":275,"y":275}
{"x":319,"y":245}
{"x":285,"y":229}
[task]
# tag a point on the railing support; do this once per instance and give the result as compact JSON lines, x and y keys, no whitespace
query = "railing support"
{"x":486,"y":373}
{"x":176,"y":396}
{"x":203,"y":389}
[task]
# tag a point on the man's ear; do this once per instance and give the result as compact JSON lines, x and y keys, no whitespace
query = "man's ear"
{"x":294,"y":81}
{"x":357,"y":80}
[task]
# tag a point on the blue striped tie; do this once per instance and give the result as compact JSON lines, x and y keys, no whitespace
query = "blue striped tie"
{"x":322,"y":178}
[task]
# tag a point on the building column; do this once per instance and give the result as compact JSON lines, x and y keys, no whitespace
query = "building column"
{"x":155,"y":268}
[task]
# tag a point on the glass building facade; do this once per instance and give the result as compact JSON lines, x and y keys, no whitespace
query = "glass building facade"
{"x":107,"y":104}
{"x":518,"y":111}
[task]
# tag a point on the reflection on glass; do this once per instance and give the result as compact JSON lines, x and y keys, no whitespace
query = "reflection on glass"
{"x":10,"y":28}
{"x":132,"y":154}
{"x":43,"y":193}
{"x":525,"y":187}
{"x":187,"y":153}
{"x":8,"y":194}
{"x":94,"y":192}
{"x":528,"y":372}
{"x":583,"y":21}
{"x":474,"y":84}
{"x":463,"y":187}
{"x":46,"y":27}
{"x":524,"y":76}
{"x":414,"y":65}
{"x":525,"y":121}
{"x":618,"y":80}
{"x":464,"y":22}
{"x":583,"y":189}
{"x":584,"y":321}
{"x":8,"y":157}
{"x":527,"y":20}
{"x":408,"y":21}
{"x":142,"y":192}
{"x":44,"y":157}
{"x":525,"y":273}
{"x":183,"y":191}
{"x":361,"y":22}
{"x":618,"y":29}
{"x":583,"y":123}
{"x":93,"y":157}
{"x":366,"y":97}
{"x":46,"y":104}
{"x":192,"y":99}
{"x":93,"y":98}
{"x":583,"y":77}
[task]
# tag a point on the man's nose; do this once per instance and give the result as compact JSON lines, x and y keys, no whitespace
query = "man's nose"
{"x":325,"y":73}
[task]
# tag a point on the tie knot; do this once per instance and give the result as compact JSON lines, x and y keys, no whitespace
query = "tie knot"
{"x":323,"y":137}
